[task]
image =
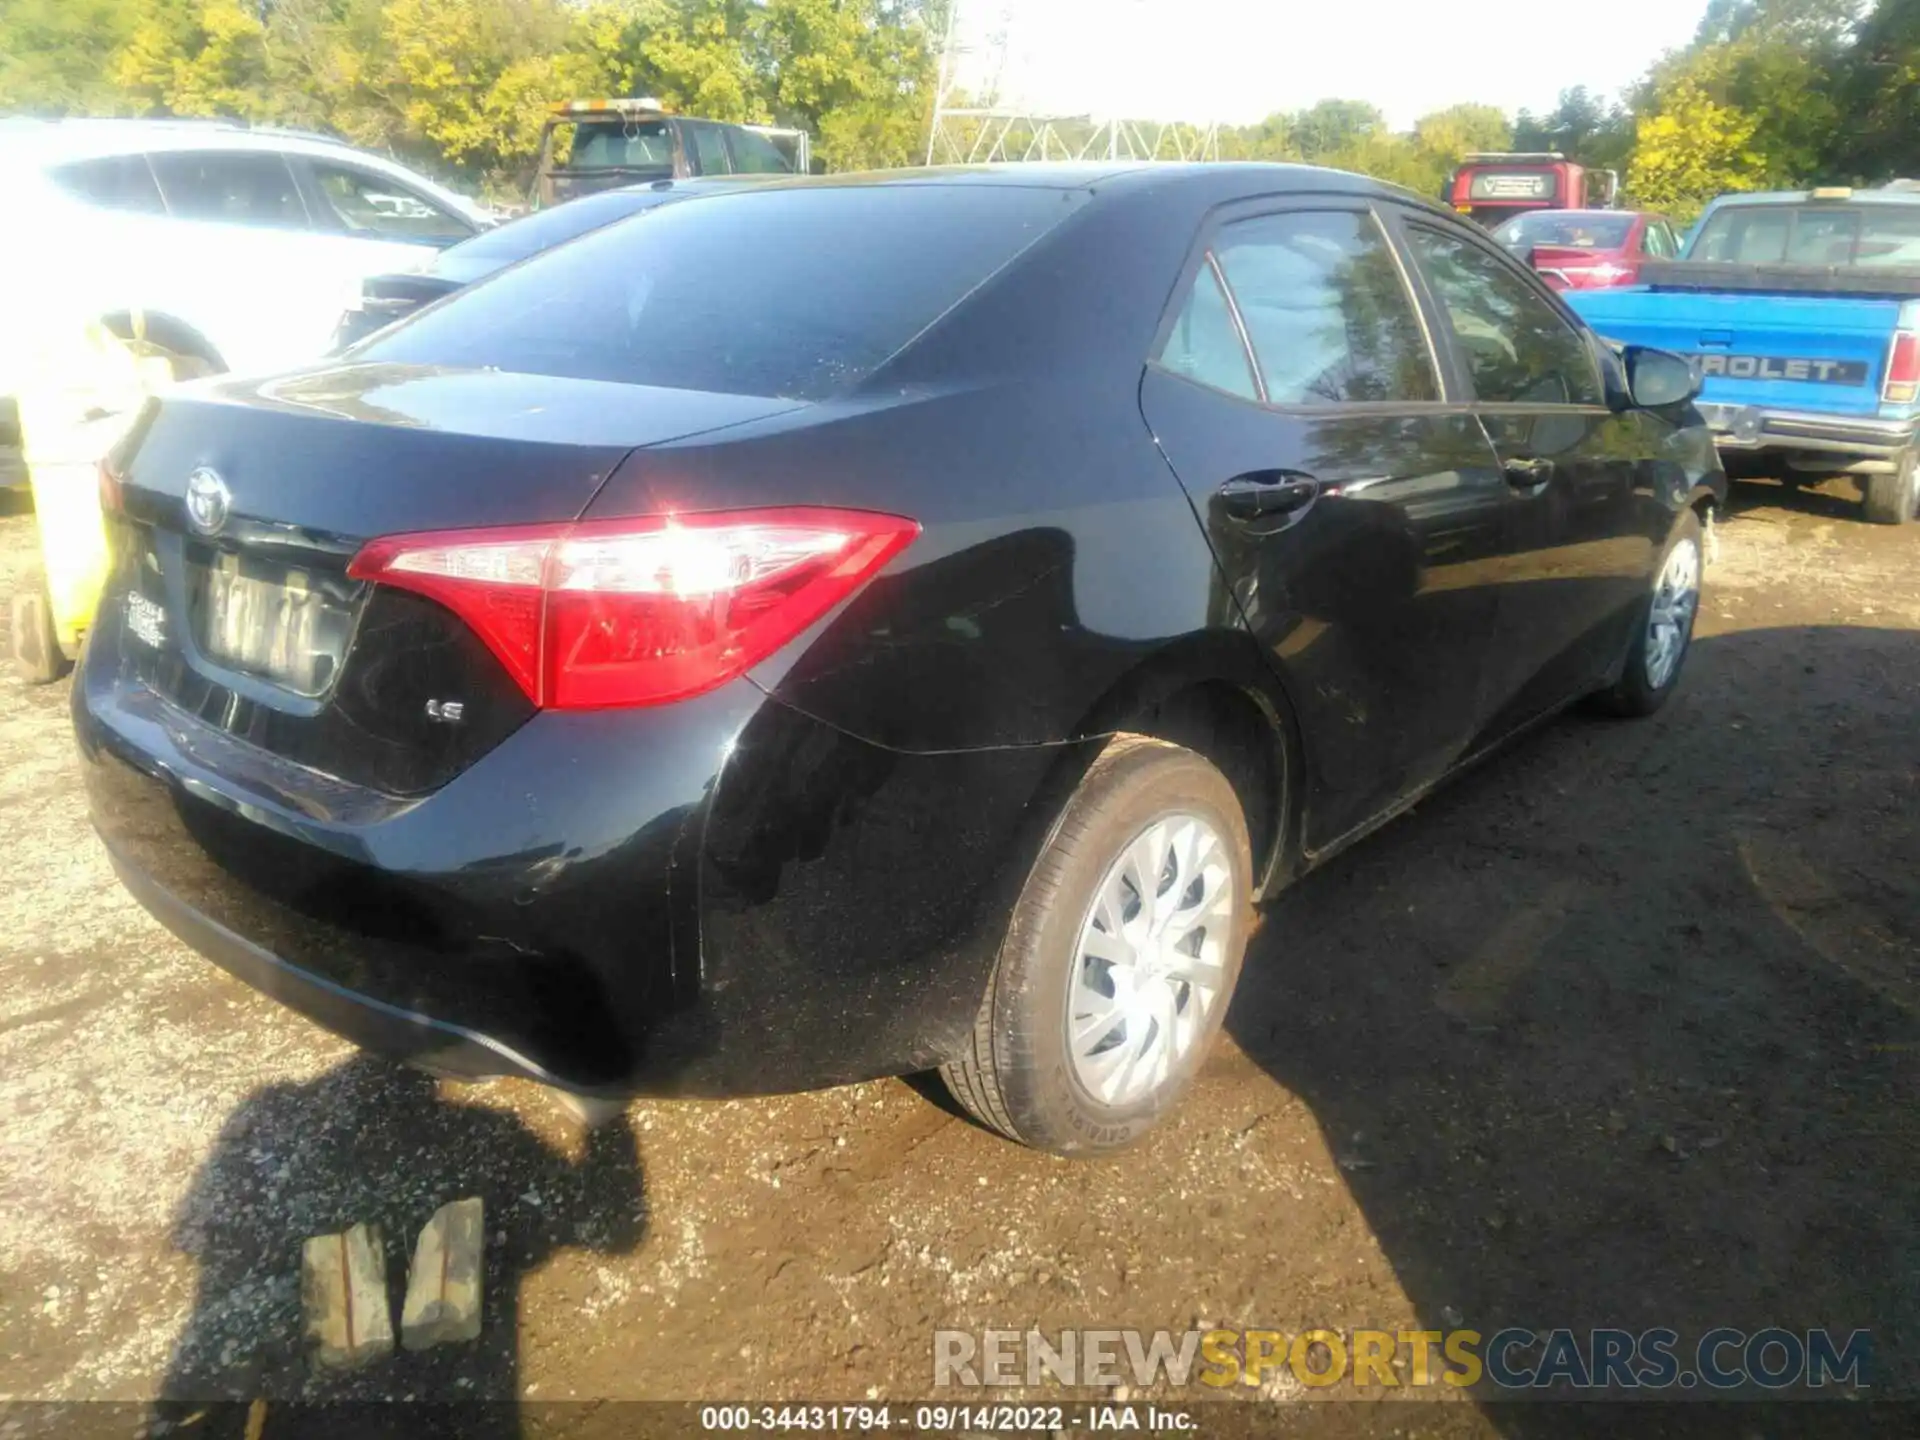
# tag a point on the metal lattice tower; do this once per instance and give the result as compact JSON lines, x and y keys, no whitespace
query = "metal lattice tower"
{"x":979,"y":118}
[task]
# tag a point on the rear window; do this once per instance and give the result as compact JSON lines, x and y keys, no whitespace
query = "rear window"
{"x":798,"y":293}
{"x":1806,"y":235}
{"x":493,"y":250}
{"x":1579,"y":232}
{"x":614,"y":144}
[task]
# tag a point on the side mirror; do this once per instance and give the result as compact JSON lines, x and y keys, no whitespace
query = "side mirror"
{"x":1657,"y":379}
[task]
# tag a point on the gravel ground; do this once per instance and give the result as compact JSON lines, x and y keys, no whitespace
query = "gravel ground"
{"x":1621,"y":1029}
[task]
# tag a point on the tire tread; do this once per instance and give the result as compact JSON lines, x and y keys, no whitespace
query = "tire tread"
{"x":1888,"y":500}
{"x":973,"y":1077}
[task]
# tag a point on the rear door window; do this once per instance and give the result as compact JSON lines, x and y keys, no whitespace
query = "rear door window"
{"x":1204,"y":344}
{"x":113,"y":182}
{"x":1326,"y":309}
{"x":244,"y":187}
{"x":698,"y":297}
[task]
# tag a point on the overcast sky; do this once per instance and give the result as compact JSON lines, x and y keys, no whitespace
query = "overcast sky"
{"x":1239,"y":60}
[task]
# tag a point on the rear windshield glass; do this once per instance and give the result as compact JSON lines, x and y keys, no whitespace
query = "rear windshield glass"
{"x":799,"y":293}
{"x":614,"y":144}
{"x":542,"y":230}
{"x":1580,"y":232}
{"x":1804,"y":235}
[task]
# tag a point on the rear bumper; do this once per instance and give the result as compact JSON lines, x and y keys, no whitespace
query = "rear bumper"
{"x":1753,"y":429}
{"x":718,"y":897}
{"x":370,"y":1023}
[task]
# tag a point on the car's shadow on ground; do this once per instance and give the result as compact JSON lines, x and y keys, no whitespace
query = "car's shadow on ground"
{"x":1831,"y":498}
{"x":374,"y":1142}
{"x":1623,"y":1030}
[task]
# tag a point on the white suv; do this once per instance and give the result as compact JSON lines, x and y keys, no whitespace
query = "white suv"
{"x":237,"y":247}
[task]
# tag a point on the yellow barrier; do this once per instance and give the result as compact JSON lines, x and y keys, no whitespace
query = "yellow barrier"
{"x":80,"y":394}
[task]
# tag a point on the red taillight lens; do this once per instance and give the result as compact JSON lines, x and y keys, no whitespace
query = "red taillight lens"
{"x":1903,"y":369}
{"x":600,"y":613}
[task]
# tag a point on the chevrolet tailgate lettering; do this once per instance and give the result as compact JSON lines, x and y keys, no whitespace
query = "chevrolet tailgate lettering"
{"x":1767,"y":367}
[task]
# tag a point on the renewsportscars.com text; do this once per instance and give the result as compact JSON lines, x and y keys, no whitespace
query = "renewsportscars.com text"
{"x":1511,"y":1359}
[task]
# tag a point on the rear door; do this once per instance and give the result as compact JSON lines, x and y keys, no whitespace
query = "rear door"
{"x":1357,"y":511}
{"x":1585,"y":517}
{"x":241,"y":260}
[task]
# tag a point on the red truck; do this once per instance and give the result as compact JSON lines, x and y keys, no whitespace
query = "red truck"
{"x":1492,"y":188}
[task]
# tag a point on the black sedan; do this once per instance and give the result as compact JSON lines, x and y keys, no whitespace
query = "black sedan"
{"x":385,"y":299}
{"x":687,"y":663}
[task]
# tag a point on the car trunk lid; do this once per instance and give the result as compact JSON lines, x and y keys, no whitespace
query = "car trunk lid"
{"x":241,"y":505}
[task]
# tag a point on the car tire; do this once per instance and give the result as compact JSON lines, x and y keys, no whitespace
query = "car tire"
{"x":1021,"y":1073}
{"x":1893,"y":499}
{"x":1658,"y":651}
{"x":37,"y":656}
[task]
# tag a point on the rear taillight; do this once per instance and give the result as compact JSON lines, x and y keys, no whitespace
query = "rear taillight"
{"x":598,"y":613}
{"x":1902,"y":384}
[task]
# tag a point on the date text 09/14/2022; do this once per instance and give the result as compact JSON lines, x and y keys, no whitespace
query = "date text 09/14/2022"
{"x":938,"y":1419}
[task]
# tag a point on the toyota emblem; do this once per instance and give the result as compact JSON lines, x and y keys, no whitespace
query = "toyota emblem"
{"x":208,"y":501}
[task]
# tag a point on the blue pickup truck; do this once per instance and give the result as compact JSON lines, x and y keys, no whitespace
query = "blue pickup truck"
{"x":1802,"y":313}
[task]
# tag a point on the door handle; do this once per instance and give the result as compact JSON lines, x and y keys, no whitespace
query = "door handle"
{"x":1264,"y":494}
{"x":1525,"y":473}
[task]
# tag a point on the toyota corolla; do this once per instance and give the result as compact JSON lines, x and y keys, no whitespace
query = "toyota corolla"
{"x":691,"y":664}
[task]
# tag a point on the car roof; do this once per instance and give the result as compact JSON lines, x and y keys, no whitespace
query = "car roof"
{"x":1086,"y":174}
{"x":1590,"y":214}
{"x":35,"y":145}
{"x":49,"y":142}
{"x":1897,"y":192}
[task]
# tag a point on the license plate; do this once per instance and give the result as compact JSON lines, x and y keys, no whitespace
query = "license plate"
{"x":276,"y":627}
{"x":1771,"y":367}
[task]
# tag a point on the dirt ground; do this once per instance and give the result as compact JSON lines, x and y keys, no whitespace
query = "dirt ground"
{"x":1622,"y":1029}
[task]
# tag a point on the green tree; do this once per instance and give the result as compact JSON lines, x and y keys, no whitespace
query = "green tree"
{"x":1333,"y":126}
{"x":1583,"y":126}
{"x":57,"y":56}
{"x":858,"y":74}
{"x":1879,"y":95}
{"x":197,"y":57}
{"x":1692,"y":149}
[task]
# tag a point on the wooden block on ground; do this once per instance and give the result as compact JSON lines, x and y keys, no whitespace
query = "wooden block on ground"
{"x":343,"y":1287}
{"x":443,"y":1284}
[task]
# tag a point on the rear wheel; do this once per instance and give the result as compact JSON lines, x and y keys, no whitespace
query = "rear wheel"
{"x":1664,"y":634}
{"x":1893,"y":499}
{"x":1120,"y":958}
